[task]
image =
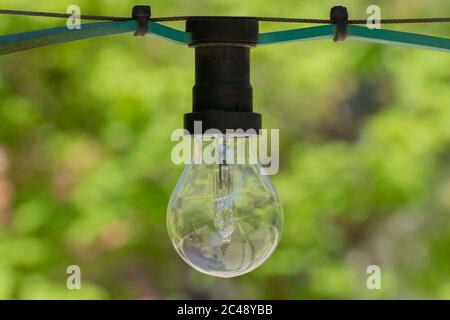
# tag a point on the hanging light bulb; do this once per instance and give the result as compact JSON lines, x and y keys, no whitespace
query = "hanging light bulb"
{"x":225,"y":219}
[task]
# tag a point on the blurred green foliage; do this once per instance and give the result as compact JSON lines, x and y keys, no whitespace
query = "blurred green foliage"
{"x":85,"y":169}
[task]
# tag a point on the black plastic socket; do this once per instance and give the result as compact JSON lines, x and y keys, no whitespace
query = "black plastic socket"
{"x":222,"y":94}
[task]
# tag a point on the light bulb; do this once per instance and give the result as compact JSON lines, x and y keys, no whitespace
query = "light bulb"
{"x":224,"y":218}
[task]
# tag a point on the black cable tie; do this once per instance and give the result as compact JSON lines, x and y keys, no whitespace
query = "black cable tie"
{"x":339,"y":17}
{"x":142,"y":15}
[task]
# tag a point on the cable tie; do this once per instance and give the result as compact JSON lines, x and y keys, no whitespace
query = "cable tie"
{"x":339,"y":17}
{"x":142,"y":15}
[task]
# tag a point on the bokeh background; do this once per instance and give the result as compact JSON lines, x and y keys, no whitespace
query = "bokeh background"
{"x":85,"y":169}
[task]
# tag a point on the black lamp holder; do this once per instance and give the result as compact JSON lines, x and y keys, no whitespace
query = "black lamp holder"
{"x":222,"y":94}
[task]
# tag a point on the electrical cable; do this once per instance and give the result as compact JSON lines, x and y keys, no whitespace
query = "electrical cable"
{"x":184,"y":18}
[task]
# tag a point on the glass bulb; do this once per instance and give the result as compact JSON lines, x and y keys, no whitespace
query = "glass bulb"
{"x":225,"y":218}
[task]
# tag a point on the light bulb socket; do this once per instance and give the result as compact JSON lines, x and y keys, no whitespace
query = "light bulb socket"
{"x":222,"y":94}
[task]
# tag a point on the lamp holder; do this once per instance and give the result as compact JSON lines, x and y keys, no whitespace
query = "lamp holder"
{"x":222,"y":94}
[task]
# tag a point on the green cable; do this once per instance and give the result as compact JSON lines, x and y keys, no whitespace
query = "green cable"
{"x":168,"y":33}
{"x":34,"y":39}
{"x":312,"y":33}
{"x":399,"y":38}
{"x":358,"y":33}
{"x":40,"y":38}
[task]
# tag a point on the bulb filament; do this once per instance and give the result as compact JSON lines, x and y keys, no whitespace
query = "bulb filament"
{"x":225,"y":215}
